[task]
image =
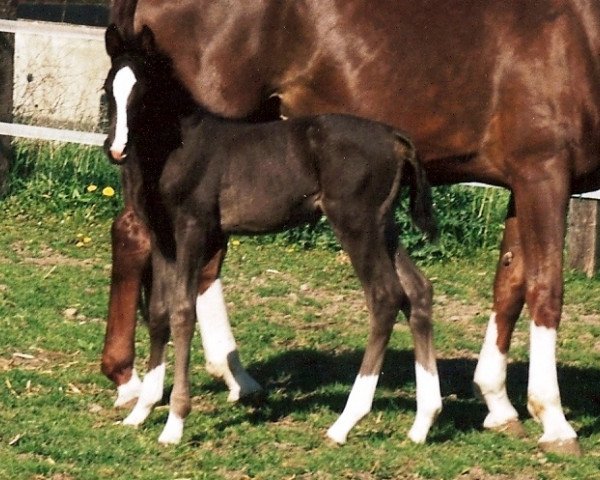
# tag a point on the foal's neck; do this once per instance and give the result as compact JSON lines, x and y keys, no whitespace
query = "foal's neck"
{"x":159,"y":131}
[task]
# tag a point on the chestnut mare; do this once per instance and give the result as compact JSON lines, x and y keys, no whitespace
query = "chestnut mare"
{"x":506,"y":93}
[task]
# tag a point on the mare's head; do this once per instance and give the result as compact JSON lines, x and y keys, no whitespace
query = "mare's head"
{"x":140,"y":87}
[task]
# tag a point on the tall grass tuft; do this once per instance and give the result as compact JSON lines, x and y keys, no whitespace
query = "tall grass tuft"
{"x":64,"y":180}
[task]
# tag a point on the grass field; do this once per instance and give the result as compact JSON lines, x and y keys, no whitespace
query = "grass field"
{"x":300,"y":322}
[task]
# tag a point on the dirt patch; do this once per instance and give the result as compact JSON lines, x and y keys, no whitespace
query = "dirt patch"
{"x":478,"y":473}
{"x":38,"y":359}
{"x":47,"y":256}
{"x":56,"y":476}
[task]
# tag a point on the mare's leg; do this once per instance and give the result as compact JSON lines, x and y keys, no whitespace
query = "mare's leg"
{"x":509,"y":297}
{"x":541,"y":197}
{"x":158,"y":329}
{"x":220,"y":349}
{"x":130,"y":250}
{"x":418,"y":311}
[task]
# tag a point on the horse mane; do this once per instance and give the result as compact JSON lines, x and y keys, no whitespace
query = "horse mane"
{"x":122,"y":14}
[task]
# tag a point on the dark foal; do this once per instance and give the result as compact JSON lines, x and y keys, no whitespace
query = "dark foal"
{"x":200,"y":178}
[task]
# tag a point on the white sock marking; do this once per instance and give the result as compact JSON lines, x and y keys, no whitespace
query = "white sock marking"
{"x":173,"y":430}
{"x":122,"y":86}
{"x":490,"y":377}
{"x":220,"y":350}
{"x":358,"y":405}
{"x":129,"y":391}
{"x":152,"y":391}
{"x":543,"y":392}
{"x":429,"y":403}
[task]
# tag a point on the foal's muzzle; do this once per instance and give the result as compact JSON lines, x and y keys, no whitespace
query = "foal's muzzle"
{"x":118,"y":155}
{"x":115,"y":154}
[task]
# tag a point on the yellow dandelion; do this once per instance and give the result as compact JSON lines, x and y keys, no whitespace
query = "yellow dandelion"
{"x":108,"y":191}
{"x":86,"y":240}
{"x":235,"y":243}
{"x":92,"y":188}
{"x":79,"y":244}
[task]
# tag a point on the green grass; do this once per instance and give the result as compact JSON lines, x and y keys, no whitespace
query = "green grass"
{"x":301,"y":325}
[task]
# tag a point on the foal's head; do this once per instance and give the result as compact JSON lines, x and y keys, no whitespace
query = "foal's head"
{"x":141,"y":90}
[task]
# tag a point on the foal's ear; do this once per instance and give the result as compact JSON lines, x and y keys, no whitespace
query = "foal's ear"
{"x":147,"y":41}
{"x":115,"y":45}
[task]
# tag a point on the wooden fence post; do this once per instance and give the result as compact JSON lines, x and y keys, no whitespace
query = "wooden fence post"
{"x":583,"y":235}
{"x":8,"y":10}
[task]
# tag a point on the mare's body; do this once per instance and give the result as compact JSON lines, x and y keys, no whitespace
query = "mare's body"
{"x":199,"y":178}
{"x":501,"y":92}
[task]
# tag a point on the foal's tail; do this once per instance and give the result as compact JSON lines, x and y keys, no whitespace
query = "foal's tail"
{"x":421,"y":203}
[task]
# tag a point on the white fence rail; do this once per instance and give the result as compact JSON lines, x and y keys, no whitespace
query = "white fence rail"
{"x":51,"y":134}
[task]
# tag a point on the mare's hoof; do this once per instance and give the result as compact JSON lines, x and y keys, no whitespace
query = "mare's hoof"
{"x":513,"y":428}
{"x":125,"y":403}
{"x":569,"y":447}
{"x":128,"y":392}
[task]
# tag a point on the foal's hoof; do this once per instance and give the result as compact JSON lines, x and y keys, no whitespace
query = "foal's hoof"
{"x":256,"y":398}
{"x":512,"y":428}
{"x":243,"y":388}
{"x":569,"y":447}
{"x":337,"y":434}
{"x":173,"y":431}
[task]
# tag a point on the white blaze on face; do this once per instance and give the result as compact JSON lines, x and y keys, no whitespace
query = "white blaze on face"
{"x":122,"y":86}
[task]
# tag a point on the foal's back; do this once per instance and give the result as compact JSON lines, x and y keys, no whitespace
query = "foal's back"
{"x":272,"y":176}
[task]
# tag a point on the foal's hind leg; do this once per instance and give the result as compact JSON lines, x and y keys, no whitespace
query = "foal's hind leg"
{"x":158,"y":328}
{"x":418,"y":310}
{"x":371,"y":256}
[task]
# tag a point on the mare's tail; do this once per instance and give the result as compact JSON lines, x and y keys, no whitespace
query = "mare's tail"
{"x":421,"y":203}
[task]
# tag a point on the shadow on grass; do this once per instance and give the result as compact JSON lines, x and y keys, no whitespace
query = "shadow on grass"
{"x":303,"y":380}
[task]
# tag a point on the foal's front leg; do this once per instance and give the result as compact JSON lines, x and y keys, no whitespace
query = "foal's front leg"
{"x":191,"y":244}
{"x":158,"y":327}
{"x":220,"y":349}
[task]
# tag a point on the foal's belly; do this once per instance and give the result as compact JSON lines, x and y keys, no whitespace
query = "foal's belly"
{"x":268,"y":188}
{"x":250,"y":211}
